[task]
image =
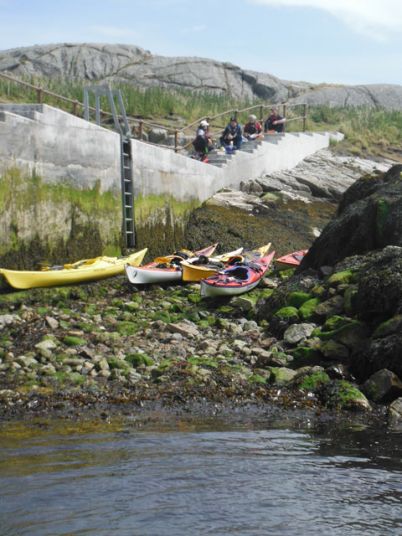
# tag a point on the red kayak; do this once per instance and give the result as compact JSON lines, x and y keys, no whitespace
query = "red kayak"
{"x":291,"y":260}
{"x":237,"y":279}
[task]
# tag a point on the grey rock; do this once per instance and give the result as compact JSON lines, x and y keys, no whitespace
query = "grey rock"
{"x":46,"y":347}
{"x":298,"y":332}
{"x":242,"y":303}
{"x":158,"y":135}
{"x":48,"y":370}
{"x":52,"y":322}
{"x":383,"y":386}
{"x":8,"y":319}
{"x":395,"y":410}
{"x":134,"y":65}
{"x":333,"y":306}
{"x":235,"y":199}
{"x":186,"y":328}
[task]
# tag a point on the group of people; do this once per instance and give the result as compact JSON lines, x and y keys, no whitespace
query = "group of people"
{"x":234,"y":135}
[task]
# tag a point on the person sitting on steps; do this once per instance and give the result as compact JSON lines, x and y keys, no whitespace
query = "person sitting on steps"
{"x":232,"y":136}
{"x":203,"y":143}
{"x":252,"y":129}
{"x":274,"y":122}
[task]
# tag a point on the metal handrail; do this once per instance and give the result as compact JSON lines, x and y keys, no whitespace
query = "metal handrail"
{"x":41,"y":92}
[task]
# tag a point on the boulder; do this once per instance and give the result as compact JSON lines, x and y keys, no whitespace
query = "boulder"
{"x":369,"y":217}
{"x":383,"y":386}
{"x":298,"y":332}
{"x":395,"y":410}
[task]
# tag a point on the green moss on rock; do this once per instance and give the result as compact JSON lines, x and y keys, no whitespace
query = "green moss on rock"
{"x":314,"y":381}
{"x":71,"y":340}
{"x":339,"y":278}
{"x":307,"y":310}
{"x":297,"y":298}
{"x":139,"y":359}
{"x":288,"y":313}
{"x":389,"y":327}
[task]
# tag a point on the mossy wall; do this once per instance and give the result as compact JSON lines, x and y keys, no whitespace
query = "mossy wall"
{"x":43,"y":222}
{"x":160,"y":223}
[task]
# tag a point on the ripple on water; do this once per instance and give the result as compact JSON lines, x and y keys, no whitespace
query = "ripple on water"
{"x":113,"y":479}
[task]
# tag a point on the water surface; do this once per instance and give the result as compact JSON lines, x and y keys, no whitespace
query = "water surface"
{"x":200,"y":478}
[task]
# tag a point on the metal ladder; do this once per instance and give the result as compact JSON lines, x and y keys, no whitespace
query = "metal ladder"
{"x":126,"y":162}
{"x":127,"y":191}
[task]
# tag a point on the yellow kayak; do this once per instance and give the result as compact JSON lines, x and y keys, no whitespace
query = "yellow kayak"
{"x":196,"y":269}
{"x":198,"y":272}
{"x":79,"y":272}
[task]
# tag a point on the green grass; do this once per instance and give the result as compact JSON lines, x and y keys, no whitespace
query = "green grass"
{"x":368,"y":131}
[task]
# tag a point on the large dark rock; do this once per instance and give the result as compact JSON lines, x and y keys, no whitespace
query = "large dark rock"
{"x":369,"y":217}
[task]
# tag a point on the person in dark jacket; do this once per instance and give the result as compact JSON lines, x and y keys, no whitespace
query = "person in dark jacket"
{"x":252,"y":129}
{"x":274,"y":122}
{"x":203,"y":143}
{"x":232,"y":136}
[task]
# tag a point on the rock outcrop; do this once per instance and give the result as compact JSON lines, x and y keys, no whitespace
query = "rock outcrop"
{"x":134,"y":65}
{"x":369,"y":217}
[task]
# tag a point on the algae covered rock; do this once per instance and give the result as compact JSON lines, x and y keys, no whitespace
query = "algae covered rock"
{"x":307,"y":310}
{"x":369,"y":217}
{"x":341,"y":394}
{"x":380,"y":285}
{"x":282,"y":319}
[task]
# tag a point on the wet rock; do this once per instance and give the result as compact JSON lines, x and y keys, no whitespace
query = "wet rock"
{"x":281,"y":376}
{"x":8,"y":319}
{"x":52,"y":322}
{"x":48,"y":370}
{"x":46,"y":347}
{"x":298,"y":332}
{"x":395,"y":410}
{"x":334,"y":351}
{"x":186,"y":328}
{"x":339,"y":372}
{"x":333,"y":306}
{"x":369,"y":217}
{"x":383,"y":387}
{"x":379,"y":354}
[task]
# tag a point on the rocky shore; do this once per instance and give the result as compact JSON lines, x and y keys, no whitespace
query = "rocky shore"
{"x":325,"y":339}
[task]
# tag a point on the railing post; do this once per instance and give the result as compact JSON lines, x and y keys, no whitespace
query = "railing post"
{"x":176,"y":140}
{"x":235,"y":113}
{"x":39,"y":95}
{"x":75,"y":107}
{"x":261,"y":113}
{"x":141,"y":129}
{"x":284,"y":110}
{"x":304,"y":117}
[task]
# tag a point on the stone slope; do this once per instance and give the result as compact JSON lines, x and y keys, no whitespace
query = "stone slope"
{"x":135,"y":65}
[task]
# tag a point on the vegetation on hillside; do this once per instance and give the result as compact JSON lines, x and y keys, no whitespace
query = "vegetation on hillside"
{"x":368,"y":131}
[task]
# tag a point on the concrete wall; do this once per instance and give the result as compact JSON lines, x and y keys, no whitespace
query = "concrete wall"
{"x":58,"y":146}
{"x":60,"y":183}
{"x":160,"y":171}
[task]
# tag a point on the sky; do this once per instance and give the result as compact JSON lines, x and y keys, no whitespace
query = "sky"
{"x":318,"y":41}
